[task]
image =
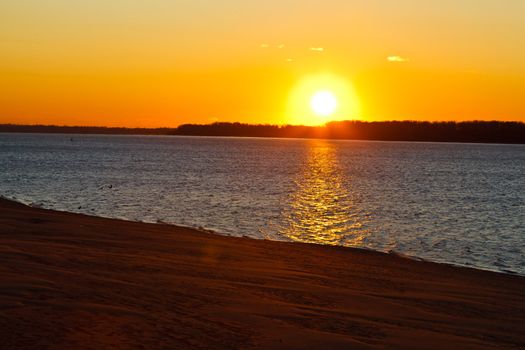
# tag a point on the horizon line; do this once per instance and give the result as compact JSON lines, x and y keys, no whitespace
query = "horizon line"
{"x":268,"y":124}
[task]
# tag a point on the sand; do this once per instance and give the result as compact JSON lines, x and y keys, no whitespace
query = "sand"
{"x":69,"y":281}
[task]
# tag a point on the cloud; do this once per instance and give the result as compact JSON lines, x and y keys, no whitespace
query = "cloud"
{"x":396,"y":59}
{"x":268,"y":46}
{"x":317,"y":49}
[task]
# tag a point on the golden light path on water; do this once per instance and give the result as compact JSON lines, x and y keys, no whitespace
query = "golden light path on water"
{"x":322,"y":210}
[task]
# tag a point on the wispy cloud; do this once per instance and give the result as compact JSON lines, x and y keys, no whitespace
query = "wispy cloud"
{"x":317,"y":49}
{"x":268,"y":46}
{"x":396,"y":59}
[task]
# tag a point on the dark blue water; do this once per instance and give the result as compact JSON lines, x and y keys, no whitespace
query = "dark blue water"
{"x":455,"y":203}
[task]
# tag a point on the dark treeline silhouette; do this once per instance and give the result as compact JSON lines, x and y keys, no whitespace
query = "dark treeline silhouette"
{"x":54,"y":129}
{"x":473,"y":131}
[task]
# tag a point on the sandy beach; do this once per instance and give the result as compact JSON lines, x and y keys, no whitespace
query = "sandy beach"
{"x":69,"y":281}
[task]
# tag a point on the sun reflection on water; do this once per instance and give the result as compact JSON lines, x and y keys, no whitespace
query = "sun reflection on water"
{"x":322,"y":209}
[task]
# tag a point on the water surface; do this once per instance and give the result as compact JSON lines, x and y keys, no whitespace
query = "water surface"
{"x":455,"y":203}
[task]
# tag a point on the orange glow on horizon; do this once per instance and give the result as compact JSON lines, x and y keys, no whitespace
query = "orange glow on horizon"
{"x":109,"y":63}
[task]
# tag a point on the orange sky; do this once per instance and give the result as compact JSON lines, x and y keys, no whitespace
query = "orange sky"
{"x":164,"y":63}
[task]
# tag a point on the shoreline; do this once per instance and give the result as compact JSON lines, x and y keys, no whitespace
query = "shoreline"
{"x":519,"y":144}
{"x":70,"y":280}
{"x":506,"y":132}
{"x":215,"y":232}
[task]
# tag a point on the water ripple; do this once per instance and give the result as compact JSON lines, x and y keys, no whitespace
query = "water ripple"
{"x":456,"y":203}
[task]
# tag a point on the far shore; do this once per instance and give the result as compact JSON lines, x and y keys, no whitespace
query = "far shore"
{"x":70,"y":281}
{"x":498,"y":132}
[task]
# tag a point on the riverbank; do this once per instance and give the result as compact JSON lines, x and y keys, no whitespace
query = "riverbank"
{"x":74,"y":281}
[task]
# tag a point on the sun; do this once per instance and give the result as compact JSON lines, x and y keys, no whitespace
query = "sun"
{"x":320,"y":98}
{"x":324,"y":103}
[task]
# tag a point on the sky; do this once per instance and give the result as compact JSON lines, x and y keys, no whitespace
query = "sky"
{"x":155,"y":63}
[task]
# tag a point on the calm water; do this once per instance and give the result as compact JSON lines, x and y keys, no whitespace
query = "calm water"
{"x":456,"y":203}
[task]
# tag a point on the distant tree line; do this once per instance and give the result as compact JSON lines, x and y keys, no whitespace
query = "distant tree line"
{"x":473,"y":131}
{"x":55,"y":129}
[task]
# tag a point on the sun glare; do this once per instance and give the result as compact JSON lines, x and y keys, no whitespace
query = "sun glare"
{"x":320,"y":98}
{"x":324,"y":103}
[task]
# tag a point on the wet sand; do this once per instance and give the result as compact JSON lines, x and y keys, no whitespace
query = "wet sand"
{"x":70,"y":281}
